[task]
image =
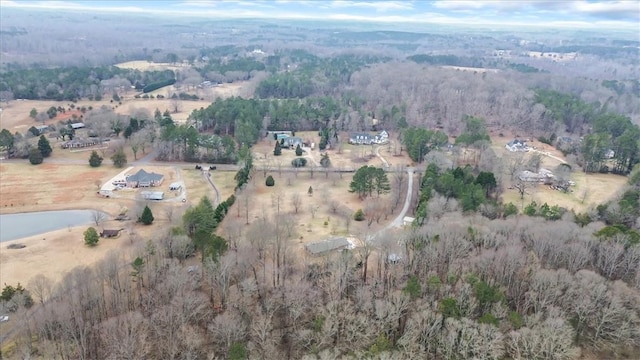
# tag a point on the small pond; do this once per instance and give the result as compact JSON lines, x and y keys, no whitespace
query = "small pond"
{"x":17,"y":226}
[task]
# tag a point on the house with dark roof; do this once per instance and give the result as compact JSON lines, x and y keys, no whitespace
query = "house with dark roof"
{"x":109,"y":233}
{"x":144,"y":179}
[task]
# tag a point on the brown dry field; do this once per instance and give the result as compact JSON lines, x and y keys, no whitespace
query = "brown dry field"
{"x":56,"y":253}
{"x":327,"y":187}
{"x":144,"y":65}
{"x":24,"y":187}
{"x":64,"y":249}
{"x":310,"y":228}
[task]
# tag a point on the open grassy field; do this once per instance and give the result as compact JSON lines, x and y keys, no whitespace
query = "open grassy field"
{"x":143,"y":65}
{"x":327,"y":188}
{"x":56,"y":253}
{"x":598,"y":189}
{"x":198,"y":186}
{"x":24,"y":187}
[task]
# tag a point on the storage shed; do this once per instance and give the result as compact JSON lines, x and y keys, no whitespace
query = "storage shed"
{"x":152,"y":195}
{"x":322,"y":247}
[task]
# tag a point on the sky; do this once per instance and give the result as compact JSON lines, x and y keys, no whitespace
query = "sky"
{"x":547,"y":13}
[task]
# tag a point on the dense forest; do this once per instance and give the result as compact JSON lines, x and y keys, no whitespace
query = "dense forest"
{"x":473,"y":277}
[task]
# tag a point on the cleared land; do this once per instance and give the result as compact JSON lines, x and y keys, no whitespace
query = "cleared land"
{"x":15,"y":115}
{"x":25,"y":188}
{"x":143,"y":65}
{"x":55,"y":253}
{"x":589,"y":190}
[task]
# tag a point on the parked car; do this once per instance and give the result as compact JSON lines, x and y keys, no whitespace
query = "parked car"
{"x":4,"y":318}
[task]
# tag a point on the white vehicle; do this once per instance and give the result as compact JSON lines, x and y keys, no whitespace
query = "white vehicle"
{"x":4,"y":318}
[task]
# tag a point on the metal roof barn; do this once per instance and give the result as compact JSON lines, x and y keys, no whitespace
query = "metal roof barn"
{"x":321,"y":247}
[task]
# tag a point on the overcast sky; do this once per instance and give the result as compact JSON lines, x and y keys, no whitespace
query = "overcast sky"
{"x":553,"y":13}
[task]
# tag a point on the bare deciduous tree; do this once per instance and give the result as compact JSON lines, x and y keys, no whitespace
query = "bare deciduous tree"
{"x":98,"y":217}
{"x":296,"y":201}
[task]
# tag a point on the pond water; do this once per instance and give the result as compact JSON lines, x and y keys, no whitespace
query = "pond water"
{"x":17,"y":226}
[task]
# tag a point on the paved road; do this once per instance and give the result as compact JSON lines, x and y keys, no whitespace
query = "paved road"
{"x":398,"y":221}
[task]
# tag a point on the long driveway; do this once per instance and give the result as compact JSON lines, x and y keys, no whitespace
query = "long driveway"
{"x":398,"y":221}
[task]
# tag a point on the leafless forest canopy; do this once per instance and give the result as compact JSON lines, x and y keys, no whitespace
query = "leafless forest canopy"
{"x":469,"y":285}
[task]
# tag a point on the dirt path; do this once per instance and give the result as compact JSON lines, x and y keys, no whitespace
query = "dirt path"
{"x":549,"y":155}
{"x":307,"y":152}
{"x":384,"y":161}
{"x":207,"y":175}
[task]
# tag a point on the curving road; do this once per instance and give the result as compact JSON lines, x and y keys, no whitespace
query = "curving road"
{"x":207,"y":175}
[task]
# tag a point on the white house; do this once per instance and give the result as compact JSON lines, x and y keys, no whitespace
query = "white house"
{"x":382,"y":137}
{"x":517,"y":145}
{"x":361,"y":139}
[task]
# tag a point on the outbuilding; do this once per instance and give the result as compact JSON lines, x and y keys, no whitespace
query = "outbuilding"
{"x":321,"y":247}
{"x":152,"y":195}
{"x":109,"y":233}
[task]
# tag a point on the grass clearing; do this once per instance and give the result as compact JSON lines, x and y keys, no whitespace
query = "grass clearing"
{"x":25,"y":187}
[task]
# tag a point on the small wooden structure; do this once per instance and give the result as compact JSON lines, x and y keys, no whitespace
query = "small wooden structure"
{"x":110,"y":233}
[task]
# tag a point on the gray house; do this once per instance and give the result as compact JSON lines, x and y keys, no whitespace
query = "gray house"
{"x":144,"y":179}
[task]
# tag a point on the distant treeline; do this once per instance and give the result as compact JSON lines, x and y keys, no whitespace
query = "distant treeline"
{"x":451,"y":60}
{"x":74,"y":83}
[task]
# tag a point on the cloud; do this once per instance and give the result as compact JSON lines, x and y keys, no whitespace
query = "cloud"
{"x":622,"y":10}
{"x":609,"y":10}
{"x":379,"y":6}
{"x":535,"y":13}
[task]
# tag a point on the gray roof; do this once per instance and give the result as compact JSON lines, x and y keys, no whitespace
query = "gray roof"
{"x":292,"y":140}
{"x":143,"y":176}
{"x":152,"y":195}
{"x":364,"y":135}
{"x":327,"y":245}
{"x":77,"y":125}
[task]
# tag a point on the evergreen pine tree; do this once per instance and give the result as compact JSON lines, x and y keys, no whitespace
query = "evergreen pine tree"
{"x":44,"y":146}
{"x":146,"y":217}
{"x":95,"y":160}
